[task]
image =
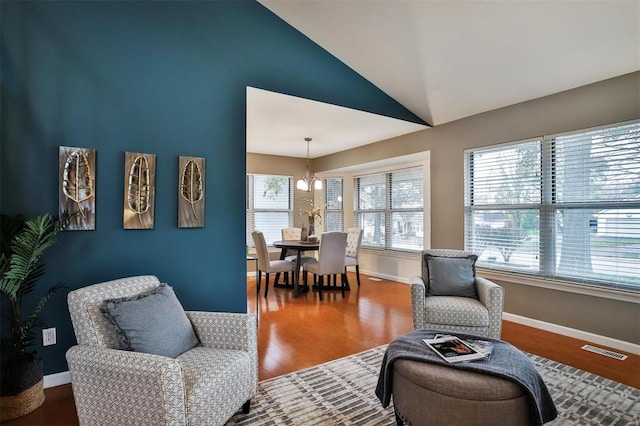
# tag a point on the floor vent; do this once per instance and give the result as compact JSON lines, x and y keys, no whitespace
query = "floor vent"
{"x":604,"y":352}
{"x":375,"y":279}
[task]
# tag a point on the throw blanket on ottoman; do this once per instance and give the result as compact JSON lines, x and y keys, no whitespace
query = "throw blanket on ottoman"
{"x":506,"y":361}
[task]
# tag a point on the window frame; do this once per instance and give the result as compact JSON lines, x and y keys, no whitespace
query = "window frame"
{"x":548,"y":208}
{"x":251,"y":210}
{"x":388,"y":211}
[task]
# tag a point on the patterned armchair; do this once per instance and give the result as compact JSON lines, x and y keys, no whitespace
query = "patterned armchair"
{"x":205,"y":385}
{"x":481,"y":316}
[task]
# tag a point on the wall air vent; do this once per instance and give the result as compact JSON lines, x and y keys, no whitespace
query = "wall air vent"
{"x":604,"y":352}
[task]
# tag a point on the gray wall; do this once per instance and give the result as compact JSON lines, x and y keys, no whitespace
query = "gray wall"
{"x":605,"y":102}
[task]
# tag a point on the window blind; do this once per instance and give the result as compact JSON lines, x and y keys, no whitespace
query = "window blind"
{"x":333,"y":215}
{"x":389,"y":209}
{"x":269,"y":206}
{"x":564,"y":206}
{"x":596,"y":193}
{"x":502,"y":195}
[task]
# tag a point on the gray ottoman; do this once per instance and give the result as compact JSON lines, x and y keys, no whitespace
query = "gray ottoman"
{"x":429,"y":394}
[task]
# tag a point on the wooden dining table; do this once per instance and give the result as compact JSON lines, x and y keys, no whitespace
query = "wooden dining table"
{"x":299,"y":247}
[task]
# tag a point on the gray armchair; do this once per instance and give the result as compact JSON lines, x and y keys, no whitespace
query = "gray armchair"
{"x":205,"y":385}
{"x":481,"y":316}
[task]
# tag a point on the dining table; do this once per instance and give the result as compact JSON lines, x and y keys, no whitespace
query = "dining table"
{"x":299,"y":247}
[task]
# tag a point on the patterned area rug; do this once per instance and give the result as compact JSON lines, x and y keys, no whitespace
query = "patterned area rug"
{"x":341,"y":392}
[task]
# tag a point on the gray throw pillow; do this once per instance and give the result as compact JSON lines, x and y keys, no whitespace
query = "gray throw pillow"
{"x":153,"y":322}
{"x":452,"y":276}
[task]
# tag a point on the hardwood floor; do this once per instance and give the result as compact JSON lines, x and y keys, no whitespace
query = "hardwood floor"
{"x":298,"y":333}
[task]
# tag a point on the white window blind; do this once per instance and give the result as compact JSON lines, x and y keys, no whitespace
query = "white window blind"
{"x":333,"y":214}
{"x":269,"y":206}
{"x":503,"y":195}
{"x":596,"y":191}
{"x":389,"y":208}
{"x":564,"y":206}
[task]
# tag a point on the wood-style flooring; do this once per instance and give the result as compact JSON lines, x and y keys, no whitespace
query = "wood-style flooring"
{"x":298,"y":333}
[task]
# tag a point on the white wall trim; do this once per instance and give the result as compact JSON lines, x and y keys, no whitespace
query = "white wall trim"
{"x":572,"y":332}
{"x":57,"y":379}
{"x":404,"y":280}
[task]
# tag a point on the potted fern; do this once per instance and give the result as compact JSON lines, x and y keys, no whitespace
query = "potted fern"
{"x":23,"y":244}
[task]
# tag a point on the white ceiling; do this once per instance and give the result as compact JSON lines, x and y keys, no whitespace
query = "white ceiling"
{"x":277,"y":124}
{"x":446,"y":60}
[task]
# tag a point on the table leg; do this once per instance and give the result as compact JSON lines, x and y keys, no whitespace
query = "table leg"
{"x":257,"y":293}
{"x":296,"y":275}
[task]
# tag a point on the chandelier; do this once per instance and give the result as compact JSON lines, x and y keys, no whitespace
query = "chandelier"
{"x":308,"y":182}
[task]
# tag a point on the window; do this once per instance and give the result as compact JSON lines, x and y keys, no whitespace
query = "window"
{"x":389,"y":208}
{"x":563,"y":206}
{"x":333,"y":217}
{"x":269,"y":206}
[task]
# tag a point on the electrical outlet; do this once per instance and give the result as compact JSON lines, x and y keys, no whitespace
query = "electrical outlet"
{"x":48,"y":336}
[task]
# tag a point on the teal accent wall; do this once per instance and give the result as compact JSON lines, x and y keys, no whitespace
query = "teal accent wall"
{"x":165,"y":78}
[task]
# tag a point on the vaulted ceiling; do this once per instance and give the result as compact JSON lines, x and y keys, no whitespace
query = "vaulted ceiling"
{"x":446,"y":60}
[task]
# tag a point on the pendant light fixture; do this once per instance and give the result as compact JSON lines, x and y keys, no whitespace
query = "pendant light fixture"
{"x":308,"y":182}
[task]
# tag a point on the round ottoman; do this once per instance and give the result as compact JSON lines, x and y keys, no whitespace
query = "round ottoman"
{"x":429,"y":394}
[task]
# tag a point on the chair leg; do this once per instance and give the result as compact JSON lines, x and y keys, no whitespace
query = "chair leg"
{"x":246,"y":407}
{"x":320,"y":287}
{"x":277,"y":278}
{"x":266,"y":285}
{"x":343,"y":280}
{"x":259,"y":278}
{"x":358,"y":274}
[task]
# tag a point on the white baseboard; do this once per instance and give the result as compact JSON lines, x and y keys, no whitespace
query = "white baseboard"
{"x":57,"y":379}
{"x":572,"y":332}
{"x":403,"y":280}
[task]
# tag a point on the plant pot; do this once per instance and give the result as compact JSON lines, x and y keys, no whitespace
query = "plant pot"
{"x":21,"y":385}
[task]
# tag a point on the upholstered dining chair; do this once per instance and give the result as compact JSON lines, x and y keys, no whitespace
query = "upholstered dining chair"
{"x":449,"y":296}
{"x":265,"y":264}
{"x":352,"y":252}
{"x":294,"y":234}
{"x":148,"y":362}
{"x":330,"y":260}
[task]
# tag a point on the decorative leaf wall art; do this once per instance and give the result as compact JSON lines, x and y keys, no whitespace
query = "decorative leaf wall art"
{"x":77,"y":189}
{"x":139,"y":190}
{"x":191,"y":180}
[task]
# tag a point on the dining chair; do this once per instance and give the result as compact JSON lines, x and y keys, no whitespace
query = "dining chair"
{"x":352,"y":252}
{"x":330,"y":260}
{"x":265,"y":264}
{"x":294,"y":234}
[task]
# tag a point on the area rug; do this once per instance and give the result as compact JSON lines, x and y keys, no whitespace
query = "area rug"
{"x":341,"y":392}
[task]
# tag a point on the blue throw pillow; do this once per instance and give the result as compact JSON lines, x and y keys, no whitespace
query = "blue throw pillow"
{"x":153,"y":323}
{"x":452,"y":276}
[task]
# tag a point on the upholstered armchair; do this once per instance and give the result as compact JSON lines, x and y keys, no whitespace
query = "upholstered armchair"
{"x":449,"y":296}
{"x":114,"y":385}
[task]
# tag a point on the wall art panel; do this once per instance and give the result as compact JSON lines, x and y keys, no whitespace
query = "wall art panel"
{"x":77,"y":187}
{"x":139,"y":190}
{"x":191,"y":183}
